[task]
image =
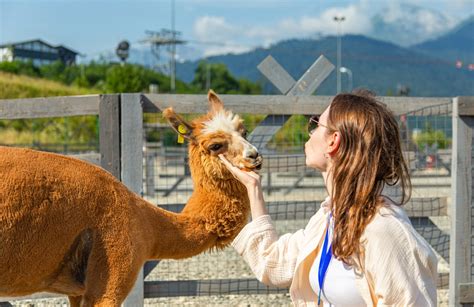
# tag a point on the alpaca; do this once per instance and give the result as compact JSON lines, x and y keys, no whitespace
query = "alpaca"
{"x":71,"y":228}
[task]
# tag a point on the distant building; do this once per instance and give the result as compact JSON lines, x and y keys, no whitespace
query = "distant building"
{"x":38,"y":51}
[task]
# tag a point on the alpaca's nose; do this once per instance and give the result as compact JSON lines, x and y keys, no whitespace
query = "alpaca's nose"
{"x":252,"y":154}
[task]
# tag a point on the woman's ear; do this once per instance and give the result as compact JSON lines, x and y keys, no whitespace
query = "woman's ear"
{"x":334,"y":142}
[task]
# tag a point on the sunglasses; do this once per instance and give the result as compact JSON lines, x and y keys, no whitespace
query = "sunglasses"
{"x":313,"y":124}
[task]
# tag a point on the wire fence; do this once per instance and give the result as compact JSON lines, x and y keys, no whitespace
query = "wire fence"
{"x":293,"y":193}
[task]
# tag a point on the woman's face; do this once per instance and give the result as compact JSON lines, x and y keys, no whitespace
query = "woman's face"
{"x":317,"y":145}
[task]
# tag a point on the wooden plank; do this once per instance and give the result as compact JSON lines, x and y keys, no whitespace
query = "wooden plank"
{"x":155,"y":289}
{"x":244,"y":286}
{"x":301,"y":210}
{"x":131,"y":130}
{"x":466,"y":293}
{"x":49,"y":107}
{"x":466,"y":105}
{"x":274,"y":104}
{"x":313,"y":77}
{"x":109,"y":133}
{"x":461,"y":208}
{"x":276,"y":74}
{"x":305,"y":86}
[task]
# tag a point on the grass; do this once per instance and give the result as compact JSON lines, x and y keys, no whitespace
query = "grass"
{"x":19,"y":132}
{"x":15,"y":86}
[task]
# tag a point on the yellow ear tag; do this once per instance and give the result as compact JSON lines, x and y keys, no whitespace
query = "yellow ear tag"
{"x":182,"y":130}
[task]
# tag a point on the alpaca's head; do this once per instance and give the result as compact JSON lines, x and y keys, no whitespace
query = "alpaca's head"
{"x":218,"y":132}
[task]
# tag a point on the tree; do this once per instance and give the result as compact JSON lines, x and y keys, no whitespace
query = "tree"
{"x":221,"y":80}
{"x":125,"y":79}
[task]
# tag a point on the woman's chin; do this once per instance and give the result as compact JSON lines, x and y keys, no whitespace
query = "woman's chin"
{"x":316,"y":166}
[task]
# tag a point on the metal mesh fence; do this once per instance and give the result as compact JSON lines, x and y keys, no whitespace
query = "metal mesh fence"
{"x":293,"y":194}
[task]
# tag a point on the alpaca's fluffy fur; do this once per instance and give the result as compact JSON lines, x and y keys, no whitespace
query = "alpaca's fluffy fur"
{"x":70,"y":227}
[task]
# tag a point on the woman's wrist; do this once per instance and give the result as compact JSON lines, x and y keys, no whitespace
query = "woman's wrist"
{"x":257,"y":203}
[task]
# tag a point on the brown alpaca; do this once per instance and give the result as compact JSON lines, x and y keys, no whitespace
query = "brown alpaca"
{"x":69,"y":227}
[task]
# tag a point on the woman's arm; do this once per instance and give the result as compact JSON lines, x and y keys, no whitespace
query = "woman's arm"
{"x":271,"y":258}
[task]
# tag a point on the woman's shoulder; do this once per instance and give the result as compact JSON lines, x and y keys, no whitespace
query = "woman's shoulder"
{"x":391,"y":219}
{"x":391,"y":226}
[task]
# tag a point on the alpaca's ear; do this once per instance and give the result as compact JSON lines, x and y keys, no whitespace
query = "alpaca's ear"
{"x":181,"y":126}
{"x":215,"y":103}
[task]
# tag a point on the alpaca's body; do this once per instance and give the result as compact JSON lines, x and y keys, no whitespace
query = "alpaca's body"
{"x":70,"y":227}
{"x":53,"y":194}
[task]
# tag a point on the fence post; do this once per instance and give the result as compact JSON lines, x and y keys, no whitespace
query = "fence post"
{"x":131,"y":131}
{"x":460,"y":266}
{"x":109,"y":133}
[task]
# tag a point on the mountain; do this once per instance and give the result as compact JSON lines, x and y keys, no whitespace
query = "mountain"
{"x":377,"y":65}
{"x":407,"y":24}
{"x":457,"y":44}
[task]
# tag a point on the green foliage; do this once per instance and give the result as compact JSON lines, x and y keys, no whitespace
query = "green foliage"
{"x":221,"y":80}
{"x":125,"y":79}
{"x":429,"y":136}
{"x":20,"y":68}
{"x":93,"y":78}
{"x":293,"y":134}
{"x":64,"y":131}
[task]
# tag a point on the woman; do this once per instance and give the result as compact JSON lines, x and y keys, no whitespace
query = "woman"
{"x":360,"y":248}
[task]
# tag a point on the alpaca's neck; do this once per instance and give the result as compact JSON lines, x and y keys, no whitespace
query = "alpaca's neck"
{"x":215,"y":213}
{"x":174,"y":235}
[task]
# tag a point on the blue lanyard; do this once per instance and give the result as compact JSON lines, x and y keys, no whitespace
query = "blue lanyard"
{"x":324,"y":261}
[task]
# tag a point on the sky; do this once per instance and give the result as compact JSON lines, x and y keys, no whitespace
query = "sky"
{"x":210,"y":26}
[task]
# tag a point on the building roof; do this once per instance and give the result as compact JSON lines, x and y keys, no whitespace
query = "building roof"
{"x":38,"y":41}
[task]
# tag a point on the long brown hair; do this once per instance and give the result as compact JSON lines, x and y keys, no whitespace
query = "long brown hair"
{"x":368,"y":158}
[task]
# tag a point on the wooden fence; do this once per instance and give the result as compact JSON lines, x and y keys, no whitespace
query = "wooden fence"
{"x":121,"y":130}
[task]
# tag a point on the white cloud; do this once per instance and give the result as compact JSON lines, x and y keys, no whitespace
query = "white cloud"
{"x":216,"y":34}
{"x":230,"y":36}
{"x":358,"y":15}
{"x":213,"y":28}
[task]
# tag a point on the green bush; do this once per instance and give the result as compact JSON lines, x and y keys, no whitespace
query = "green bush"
{"x":429,"y":136}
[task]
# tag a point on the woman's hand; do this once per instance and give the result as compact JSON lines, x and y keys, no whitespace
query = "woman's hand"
{"x":249,"y":178}
{"x":251,"y":181}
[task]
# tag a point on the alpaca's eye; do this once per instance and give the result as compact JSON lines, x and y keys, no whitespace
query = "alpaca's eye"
{"x":244,"y":134}
{"x":215,"y":147}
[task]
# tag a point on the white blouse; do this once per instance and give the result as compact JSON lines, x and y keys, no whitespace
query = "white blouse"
{"x":339,"y":287}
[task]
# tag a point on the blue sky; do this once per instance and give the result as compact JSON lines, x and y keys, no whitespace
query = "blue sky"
{"x":92,"y":27}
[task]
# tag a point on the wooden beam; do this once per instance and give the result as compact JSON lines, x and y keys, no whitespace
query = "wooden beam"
{"x":276,"y":74}
{"x":109,"y":133}
{"x":466,"y":293}
{"x":466,"y":105}
{"x":49,"y":107}
{"x":155,"y":289}
{"x":298,"y":210}
{"x":244,"y":286}
{"x":274,"y":104}
{"x":131,"y":129}
{"x":462,"y":203}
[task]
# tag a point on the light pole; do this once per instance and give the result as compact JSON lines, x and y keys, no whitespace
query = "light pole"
{"x":347,"y":71}
{"x":173,"y":51}
{"x":339,"y":20}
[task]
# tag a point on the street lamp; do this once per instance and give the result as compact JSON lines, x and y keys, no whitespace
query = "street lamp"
{"x":339,"y":20}
{"x":347,"y":71}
